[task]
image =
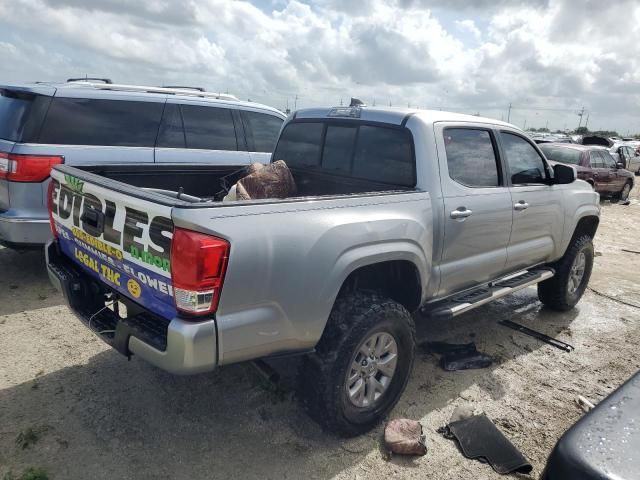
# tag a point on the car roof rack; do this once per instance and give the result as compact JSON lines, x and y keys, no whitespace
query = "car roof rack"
{"x":107,"y":81}
{"x":187,"y":91}
{"x":182,"y":87}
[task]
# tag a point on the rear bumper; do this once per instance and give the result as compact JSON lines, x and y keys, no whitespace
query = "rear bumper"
{"x":23,"y":231}
{"x":177,"y":346}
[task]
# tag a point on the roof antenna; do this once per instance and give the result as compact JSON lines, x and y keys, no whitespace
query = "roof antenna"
{"x":356,"y":102}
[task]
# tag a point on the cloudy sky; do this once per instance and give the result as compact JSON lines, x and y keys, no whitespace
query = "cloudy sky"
{"x":548,"y":58}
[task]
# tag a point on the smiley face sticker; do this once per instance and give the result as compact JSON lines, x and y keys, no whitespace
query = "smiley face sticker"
{"x":134,"y":288}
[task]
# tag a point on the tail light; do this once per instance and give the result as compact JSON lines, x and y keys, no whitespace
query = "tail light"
{"x":198,"y":265}
{"x":50,"y":194}
{"x":27,"y":168}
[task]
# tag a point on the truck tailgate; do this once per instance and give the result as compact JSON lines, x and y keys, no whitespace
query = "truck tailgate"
{"x":121,"y":240}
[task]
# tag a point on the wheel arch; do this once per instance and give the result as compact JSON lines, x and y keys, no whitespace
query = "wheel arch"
{"x":397,"y":279}
{"x":587,"y":224}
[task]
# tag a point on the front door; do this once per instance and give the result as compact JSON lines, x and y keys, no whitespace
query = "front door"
{"x":617,"y":180}
{"x":538,"y":210}
{"x":477,"y":216}
{"x":601,"y":175}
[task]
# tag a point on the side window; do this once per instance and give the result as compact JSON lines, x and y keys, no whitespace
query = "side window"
{"x":122,"y":123}
{"x":300,"y":144}
{"x":208,"y":128}
{"x":171,"y":133}
{"x":608,"y":160}
{"x":525,"y":164}
{"x":384,"y":155}
{"x":338,"y":148}
{"x":595,"y":159}
{"x":263,"y":130}
{"x":471,"y":157}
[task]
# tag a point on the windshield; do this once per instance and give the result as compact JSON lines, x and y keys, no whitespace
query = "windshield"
{"x":562,"y":155}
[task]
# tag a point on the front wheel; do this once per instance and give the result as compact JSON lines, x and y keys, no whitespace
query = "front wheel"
{"x":624,"y":193}
{"x":563,"y":291}
{"x":361,"y":365}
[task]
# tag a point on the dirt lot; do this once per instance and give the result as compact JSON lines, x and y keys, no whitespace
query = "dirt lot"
{"x":77,"y":409}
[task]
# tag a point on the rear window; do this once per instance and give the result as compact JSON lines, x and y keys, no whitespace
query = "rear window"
{"x":562,"y":155}
{"x":370,"y":152}
{"x":300,"y":145}
{"x":21,"y":115}
{"x":79,"y":121}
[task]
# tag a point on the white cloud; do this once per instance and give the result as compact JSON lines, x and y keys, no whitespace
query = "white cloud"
{"x":545,"y":53}
{"x":469,"y":26}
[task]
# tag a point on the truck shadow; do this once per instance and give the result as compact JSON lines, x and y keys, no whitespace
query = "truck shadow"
{"x":24,"y":284}
{"x":111,"y":418}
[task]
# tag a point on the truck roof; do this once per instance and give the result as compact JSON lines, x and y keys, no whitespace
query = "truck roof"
{"x":395,"y":116}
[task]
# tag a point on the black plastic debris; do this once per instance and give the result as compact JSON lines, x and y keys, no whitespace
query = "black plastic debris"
{"x":478,"y":438}
{"x":540,"y":336}
{"x":463,"y":356}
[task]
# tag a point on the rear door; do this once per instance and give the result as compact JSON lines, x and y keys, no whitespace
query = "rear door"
{"x":121,"y":240}
{"x":200,"y":132}
{"x":538,"y":209}
{"x":93,"y":128}
{"x":601,"y":174}
{"x":477,"y":203}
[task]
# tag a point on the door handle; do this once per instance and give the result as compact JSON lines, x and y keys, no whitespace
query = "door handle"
{"x":461,"y":212}
{"x":521,"y":205}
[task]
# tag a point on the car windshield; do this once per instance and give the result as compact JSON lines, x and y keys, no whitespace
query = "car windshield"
{"x":562,"y":155}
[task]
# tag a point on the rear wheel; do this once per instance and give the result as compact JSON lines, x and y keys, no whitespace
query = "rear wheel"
{"x":361,"y":365}
{"x":564,"y":290}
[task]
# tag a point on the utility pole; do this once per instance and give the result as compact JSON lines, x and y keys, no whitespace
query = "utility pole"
{"x":509,"y":115}
{"x":587,"y":122}
{"x":295,"y":103}
{"x":580,"y":114}
{"x":525,"y":125}
{"x":546,"y":125}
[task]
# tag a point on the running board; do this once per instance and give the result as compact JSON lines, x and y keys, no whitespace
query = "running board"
{"x":488,"y":293}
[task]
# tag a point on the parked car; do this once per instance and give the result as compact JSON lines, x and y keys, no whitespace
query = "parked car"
{"x":595,"y":165}
{"x":396,"y":211}
{"x":628,"y":154}
{"x":103,"y":124}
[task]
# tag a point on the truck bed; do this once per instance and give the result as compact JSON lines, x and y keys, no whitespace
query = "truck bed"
{"x":205,"y":182}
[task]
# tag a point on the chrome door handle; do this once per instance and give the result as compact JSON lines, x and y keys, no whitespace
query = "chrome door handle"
{"x":461,"y":212}
{"x":521,"y":205}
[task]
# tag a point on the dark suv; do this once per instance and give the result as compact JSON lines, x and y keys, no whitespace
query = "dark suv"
{"x":595,"y":165}
{"x":98,"y":123}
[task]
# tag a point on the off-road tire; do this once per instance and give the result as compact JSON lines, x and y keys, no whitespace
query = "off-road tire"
{"x":554,"y":293}
{"x":322,"y":375}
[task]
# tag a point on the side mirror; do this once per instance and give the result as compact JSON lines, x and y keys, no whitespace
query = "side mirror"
{"x":563,"y":174}
{"x":619,"y":165}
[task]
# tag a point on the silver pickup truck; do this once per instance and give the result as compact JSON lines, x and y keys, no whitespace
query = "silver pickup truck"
{"x":397,"y":211}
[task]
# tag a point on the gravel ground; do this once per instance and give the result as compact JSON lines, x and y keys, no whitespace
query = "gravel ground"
{"x":72,"y":406}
